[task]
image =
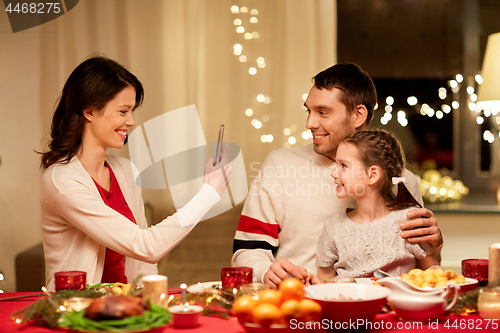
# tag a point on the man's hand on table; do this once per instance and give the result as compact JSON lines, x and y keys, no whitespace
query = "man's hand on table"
{"x":421,"y":227}
{"x":283,"y":269}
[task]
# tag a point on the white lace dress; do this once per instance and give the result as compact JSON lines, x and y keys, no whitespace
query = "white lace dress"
{"x":357,"y":250}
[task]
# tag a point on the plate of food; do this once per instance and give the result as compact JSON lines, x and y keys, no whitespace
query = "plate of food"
{"x":116,"y":313}
{"x":438,"y":279}
{"x":202,"y":286}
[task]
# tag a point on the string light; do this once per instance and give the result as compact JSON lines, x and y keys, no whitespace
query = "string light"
{"x":402,"y":118}
{"x":479,"y":79}
{"x":292,"y":140}
{"x":288,"y":131}
{"x":488,"y":136}
{"x":261,"y":62}
{"x":237,"y":49}
{"x":256,"y":123}
{"x":423,"y":110}
{"x":446,"y":108}
{"x":442,"y":93}
{"x":459,"y":78}
{"x":389,"y":100}
{"x":412,"y":100}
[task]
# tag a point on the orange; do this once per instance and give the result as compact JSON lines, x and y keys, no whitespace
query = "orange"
{"x":309,"y":310}
{"x":243,"y":307}
{"x":290,"y":309}
{"x":292,"y":288}
{"x":266,"y":314}
{"x":270,"y":296}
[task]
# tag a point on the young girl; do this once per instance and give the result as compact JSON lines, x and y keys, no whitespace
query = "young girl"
{"x":359,"y":241}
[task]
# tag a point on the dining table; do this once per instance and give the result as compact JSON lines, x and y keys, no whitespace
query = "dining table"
{"x":383,"y":322}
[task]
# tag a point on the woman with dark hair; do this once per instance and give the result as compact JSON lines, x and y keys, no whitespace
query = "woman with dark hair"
{"x":92,"y":211}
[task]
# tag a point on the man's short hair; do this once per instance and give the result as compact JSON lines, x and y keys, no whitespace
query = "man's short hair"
{"x":356,"y":85}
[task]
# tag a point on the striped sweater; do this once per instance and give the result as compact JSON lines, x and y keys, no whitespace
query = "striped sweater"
{"x":286,"y":207}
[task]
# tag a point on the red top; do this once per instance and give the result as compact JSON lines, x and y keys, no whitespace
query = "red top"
{"x":114,"y":264}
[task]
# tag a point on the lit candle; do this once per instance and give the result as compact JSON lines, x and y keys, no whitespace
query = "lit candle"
{"x":184,"y":293}
{"x":488,"y":303}
{"x":153,"y":286}
{"x":76,"y":303}
{"x":494,"y":265}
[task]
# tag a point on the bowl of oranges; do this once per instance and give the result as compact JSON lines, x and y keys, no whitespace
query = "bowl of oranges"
{"x":348,"y":302}
{"x":285,"y":309}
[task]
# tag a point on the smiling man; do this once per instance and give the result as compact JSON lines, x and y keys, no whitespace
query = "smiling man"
{"x":293,"y":194}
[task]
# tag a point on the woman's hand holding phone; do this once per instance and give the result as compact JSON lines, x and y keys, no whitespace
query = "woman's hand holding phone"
{"x":219,"y":172}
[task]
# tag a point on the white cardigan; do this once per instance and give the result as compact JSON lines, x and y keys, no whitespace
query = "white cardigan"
{"x":77,"y":225}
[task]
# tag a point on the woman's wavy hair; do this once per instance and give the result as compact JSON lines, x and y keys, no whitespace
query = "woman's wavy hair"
{"x":383,"y":149}
{"x":92,"y":84}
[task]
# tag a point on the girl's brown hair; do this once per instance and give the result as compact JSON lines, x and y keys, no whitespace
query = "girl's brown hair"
{"x":383,"y":149}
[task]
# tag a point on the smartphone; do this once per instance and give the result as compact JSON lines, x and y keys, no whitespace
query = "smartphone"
{"x":218,"y":152}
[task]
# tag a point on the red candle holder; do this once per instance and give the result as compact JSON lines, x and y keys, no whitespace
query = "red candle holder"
{"x":475,"y":269}
{"x":234,"y":277}
{"x":72,"y":280}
